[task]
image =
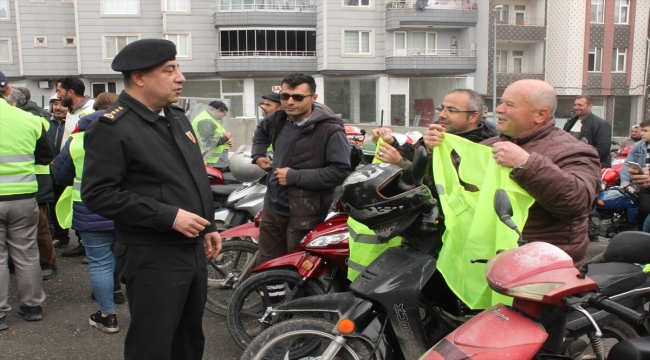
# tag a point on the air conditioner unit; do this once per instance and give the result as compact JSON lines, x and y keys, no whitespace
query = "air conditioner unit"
{"x":44,"y":84}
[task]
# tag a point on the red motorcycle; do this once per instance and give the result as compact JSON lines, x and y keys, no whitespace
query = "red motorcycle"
{"x":318,"y":267}
{"x":611,"y":176}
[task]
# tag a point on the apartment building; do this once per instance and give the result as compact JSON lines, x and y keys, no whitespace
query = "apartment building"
{"x":375,"y":61}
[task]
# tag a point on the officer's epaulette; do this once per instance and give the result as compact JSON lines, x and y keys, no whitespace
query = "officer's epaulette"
{"x":177,"y":108}
{"x":114,"y":112}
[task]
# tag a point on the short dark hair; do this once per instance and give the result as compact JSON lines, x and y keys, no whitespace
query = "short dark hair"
{"x":219,"y":105}
{"x":295,"y":79}
{"x":645,"y":123}
{"x":25,"y":91}
{"x":73,"y":83}
{"x":586,"y":97}
{"x":128,"y":80}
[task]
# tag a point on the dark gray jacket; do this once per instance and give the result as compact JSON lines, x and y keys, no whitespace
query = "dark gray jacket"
{"x":598,"y":133}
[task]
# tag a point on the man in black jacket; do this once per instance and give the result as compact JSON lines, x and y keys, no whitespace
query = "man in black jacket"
{"x":311,"y":158}
{"x":596,"y":130}
{"x":143,"y":169}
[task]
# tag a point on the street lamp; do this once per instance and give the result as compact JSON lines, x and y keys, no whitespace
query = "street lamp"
{"x":497,"y":13}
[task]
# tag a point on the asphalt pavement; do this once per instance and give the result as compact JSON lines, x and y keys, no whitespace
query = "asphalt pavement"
{"x":64,"y":332}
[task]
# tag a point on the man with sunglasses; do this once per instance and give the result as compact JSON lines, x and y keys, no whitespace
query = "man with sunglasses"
{"x":311,"y":158}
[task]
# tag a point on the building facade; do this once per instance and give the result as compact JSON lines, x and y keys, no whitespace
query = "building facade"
{"x":375,"y":61}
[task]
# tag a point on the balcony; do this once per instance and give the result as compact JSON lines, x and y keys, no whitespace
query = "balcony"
{"x":522,"y":29}
{"x":295,"y":12}
{"x":430,"y":61}
{"x":508,"y":75}
{"x":522,"y":22}
{"x":402,"y":13}
{"x":265,"y":62}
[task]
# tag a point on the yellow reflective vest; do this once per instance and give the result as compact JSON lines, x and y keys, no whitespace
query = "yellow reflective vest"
{"x":72,"y":193}
{"x":214,"y":153}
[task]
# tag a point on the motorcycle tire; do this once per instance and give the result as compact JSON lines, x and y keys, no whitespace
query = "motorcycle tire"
{"x":251,"y":299}
{"x":227,"y":271}
{"x":302,"y":339}
{"x":614,"y":332}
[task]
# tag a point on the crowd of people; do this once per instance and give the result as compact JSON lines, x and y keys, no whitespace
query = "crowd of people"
{"x":94,"y":166}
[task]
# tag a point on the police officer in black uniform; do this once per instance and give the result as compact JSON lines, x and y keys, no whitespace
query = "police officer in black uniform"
{"x":143,"y":169}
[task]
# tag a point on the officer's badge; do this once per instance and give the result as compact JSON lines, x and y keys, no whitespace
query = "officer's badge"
{"x":109,"y":116}
{"x":189,"y":135}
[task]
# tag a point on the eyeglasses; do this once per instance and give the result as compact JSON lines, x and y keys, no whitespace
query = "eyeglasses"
{"x":297,"y":97}
{"x":453,"y":110}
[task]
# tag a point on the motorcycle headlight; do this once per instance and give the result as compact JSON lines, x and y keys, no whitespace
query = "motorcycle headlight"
{"x":533,"y":291}
{"x":323,"y":241}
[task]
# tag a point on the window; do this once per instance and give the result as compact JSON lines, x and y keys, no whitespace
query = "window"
{"x":423,"y":43}
{"x":268,"y":42}
{"x":121,"y":7}
{"x":270,"y":5}
{"x":114,"y":43}
{"x":502,"y":61}
{"x":357,"y":3}
{"x":357,"y":42}
{"x":597,"y":11}
{"x":69,"y":41}
{"x":618,"y":59}
{"x":182,"y":42}
{"x":40,"y":41}
{"x":595,"y":59}
{"x":175,"y":5}
{"x":6,"y":55}
{"x":518,"y":62}
{"x":100,"y":87}
{"x":4,"y":9}
{"x":399,"y":43}
{"x":621,"y":11}
{"x":520,"y":14}
{"x":354,"y":98}
{"x":504,"y":14}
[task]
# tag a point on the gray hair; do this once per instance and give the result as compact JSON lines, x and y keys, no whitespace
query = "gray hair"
{"x":25,"y":91}
{"x":16,"y":96}
{"x":635,"y":127}
{"x":544,"y":98}
{"x":476,"y":102}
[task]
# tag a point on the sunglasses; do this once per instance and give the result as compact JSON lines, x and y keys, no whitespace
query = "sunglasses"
{"x":297,"y":97}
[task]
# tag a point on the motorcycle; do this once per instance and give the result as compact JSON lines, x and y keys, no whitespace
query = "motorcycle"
{"x":551,"y":281}
{"x":615,"y":209}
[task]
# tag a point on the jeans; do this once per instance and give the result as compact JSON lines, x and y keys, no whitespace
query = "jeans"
{"x":102,"y":266}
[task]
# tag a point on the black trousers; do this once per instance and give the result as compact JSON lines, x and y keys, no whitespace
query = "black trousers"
{"x":276,"y":236}
{"x":166,"y":288}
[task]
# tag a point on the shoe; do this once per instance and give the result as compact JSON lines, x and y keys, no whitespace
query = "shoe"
{"x":106,"y":324}
{"x":118,"y":296}
{"x":80,"y":250}
{"x":3,"y":323}
{"x":84,"y":260}
{"x":31,"y":313}
{"x":59,"y":243}
{"x":48,"y":273}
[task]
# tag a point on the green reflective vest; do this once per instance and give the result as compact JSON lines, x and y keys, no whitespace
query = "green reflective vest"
{"x":43,"y":169}
{"x":468,"y":236}
{"x":72,"y":193}
{"x":214,"y":153}
{"x":363,"y":242}
{"x":19,"y":132}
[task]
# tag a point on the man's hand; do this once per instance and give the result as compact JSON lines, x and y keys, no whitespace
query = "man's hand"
{"x":384,"y":133}
{"x":212,"y":244}
{"x":281,"y":174}
{"x":640,"y":180}
{"x":508,"y":154}
{"x":264,"y":163}
{"x":189,"y":224}
{"x":433,"y":136}
{"x":388,"y":154}
{"x":229,"y":142}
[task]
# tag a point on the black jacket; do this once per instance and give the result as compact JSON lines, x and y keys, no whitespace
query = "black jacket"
{"x":598,"y":133}
{"x":140,"y":168}
{"x":35,"y":110}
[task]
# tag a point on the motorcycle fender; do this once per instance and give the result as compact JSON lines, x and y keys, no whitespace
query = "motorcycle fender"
{"x":248,"y":229}
{"x":292,"y":259}
{"x":221,"y":214}
{"x":345,"y":305}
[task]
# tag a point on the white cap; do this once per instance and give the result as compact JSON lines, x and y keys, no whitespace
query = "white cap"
{"x":54,"y":97}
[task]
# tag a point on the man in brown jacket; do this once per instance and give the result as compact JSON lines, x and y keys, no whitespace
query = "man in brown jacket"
{"x":558,"y":171}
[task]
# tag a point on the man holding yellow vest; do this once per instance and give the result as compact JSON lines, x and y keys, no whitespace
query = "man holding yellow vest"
{"x":213,"y":138}
{"x":23,"y":144}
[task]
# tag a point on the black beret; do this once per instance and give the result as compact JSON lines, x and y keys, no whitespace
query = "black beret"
{"x":273,"y":97}
{"x":144,"y":54}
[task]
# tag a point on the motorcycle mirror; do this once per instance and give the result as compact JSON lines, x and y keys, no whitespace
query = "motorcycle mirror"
{"x":628,"y":247}
{"x":503,"y":208}
{"x":420,"y":165}
{"x":363,"y":131}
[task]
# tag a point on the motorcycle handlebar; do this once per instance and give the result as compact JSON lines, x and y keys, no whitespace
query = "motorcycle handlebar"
{"x":626,"y":314}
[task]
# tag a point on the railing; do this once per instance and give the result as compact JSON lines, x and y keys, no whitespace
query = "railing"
{"x":434,"y":4}
{"x":431,"y":52}
{"x":294,"y":54}
{"x":295,"y":7}
{"x":524,"y":22}
{"x":520,"y":70}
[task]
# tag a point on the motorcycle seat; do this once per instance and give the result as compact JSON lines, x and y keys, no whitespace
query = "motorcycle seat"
{"x":631,"y":349}
{"x":615,"y":278}
{"x":224,"y":190}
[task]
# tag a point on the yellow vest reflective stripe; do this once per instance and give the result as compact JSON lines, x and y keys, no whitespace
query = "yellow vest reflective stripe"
{"x":365,"y":247}
{"x":77,"y":154}
{"x":43,"y":169}
{"x":216,"y":152}
{"x":20,"y":131}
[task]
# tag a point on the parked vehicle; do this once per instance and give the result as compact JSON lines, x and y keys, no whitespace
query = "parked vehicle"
{"x":615,"y":210}
{"x":545,"y":278}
